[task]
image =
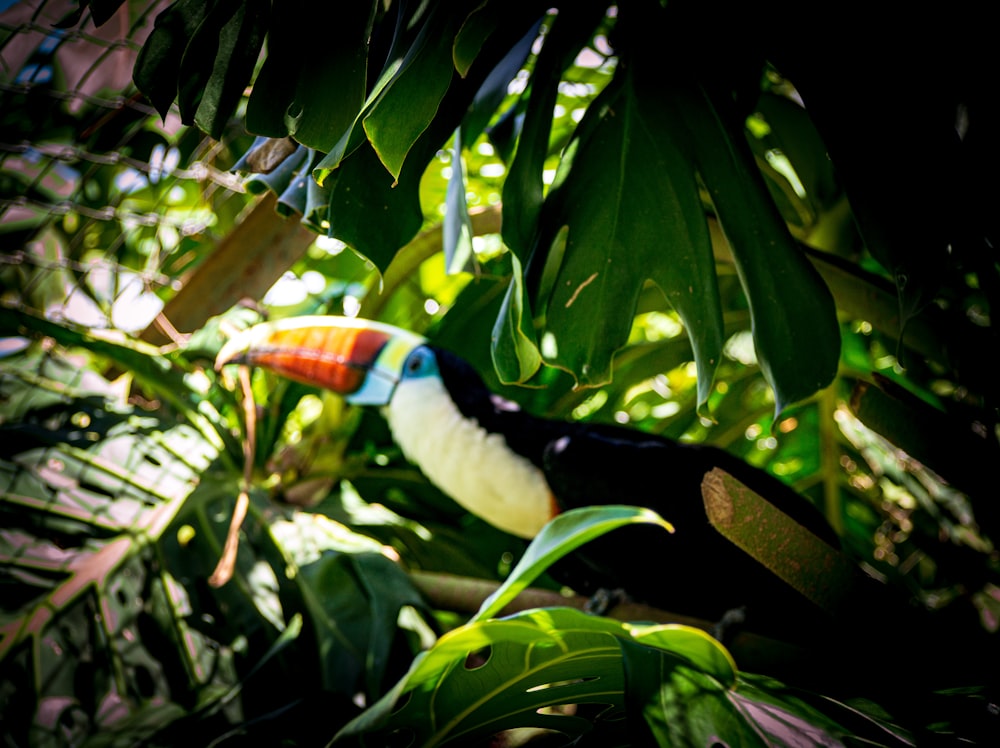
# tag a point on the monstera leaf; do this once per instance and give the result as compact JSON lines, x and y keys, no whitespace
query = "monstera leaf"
{"x":589,"y":678}
{"x":87,"y":492}
{"x":624,"y":210}
{"x":113,"y":520}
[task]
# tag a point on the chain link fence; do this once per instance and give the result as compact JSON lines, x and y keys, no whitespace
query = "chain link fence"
{"x":105,"y":208}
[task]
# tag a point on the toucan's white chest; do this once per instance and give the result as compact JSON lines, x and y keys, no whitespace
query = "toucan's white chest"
{"x":472,"y":466}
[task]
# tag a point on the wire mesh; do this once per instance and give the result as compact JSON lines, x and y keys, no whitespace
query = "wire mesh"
{"x":104,"y":206}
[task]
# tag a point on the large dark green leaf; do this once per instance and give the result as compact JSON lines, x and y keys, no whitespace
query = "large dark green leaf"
{"x":236,"y":36}
{"x":157,"y":67}
{"x":202,"y":54}
{"x":351,"y":596}
{"x":410,"y":99}
{"x":793,"y":316}
{"x":373,"y":209}
{"x":523,"y":189}
{"x":361,"y":185}
{"x":405,"y":99}
{"x":312,"y":84}
{"x":628,"y":199}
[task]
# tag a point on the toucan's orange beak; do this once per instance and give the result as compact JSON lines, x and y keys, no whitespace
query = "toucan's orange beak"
{"x":359,"y":359}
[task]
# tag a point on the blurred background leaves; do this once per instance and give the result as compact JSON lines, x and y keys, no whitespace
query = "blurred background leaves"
{"x":817,"y":301}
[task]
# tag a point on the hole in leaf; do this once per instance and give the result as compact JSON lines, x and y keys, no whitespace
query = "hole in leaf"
{"x":93,"y":488}
{"x":559,"y":709}
{"x":477,"y":659}
{"x":560,"y":683}
{"x":536,"y":736}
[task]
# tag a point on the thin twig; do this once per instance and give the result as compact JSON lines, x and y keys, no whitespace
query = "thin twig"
{"x":227,"y":562}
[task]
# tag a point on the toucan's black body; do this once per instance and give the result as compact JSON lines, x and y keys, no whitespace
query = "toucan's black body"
{"x":517,"y":471}
{"x":695,"y":570}
{"x":449,"y":424}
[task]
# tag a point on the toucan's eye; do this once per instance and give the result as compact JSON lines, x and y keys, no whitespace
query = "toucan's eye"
{"x":420,"y":362}
{"x":413,"y":363}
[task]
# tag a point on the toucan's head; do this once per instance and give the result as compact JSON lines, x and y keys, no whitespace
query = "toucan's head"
{"x":439,"y":412}
{"x":362,"y":360}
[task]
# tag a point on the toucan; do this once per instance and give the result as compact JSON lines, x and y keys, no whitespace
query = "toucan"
{"x":517,"y":471}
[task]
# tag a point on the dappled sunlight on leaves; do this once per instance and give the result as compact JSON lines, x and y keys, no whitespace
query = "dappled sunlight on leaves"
{"x":736,"y":250}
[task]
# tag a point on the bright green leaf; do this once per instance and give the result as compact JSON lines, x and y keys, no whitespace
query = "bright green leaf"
{"x":698,"y":647}
{"x":409,"y":100}
{"x":564,"y":534}
{"x":456,"y":229}
{"x":519,"y":666}
{"x":514,"y":348}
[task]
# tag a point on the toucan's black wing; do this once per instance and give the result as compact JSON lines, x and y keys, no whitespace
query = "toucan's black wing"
{"x":695,"y":570}
{"x":596,"y":464}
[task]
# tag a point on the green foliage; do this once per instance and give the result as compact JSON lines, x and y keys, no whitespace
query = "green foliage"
{"x":588,"y":678}
{"x":765,"y":260}
{"x":210,"y":50}
{"x":114,"y":519}
{"x":291,"y":98}
{"x":646,"y":146}
{"x":620,"y":684}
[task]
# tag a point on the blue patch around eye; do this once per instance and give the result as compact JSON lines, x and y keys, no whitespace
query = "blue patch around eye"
{"x":420,"y":363}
